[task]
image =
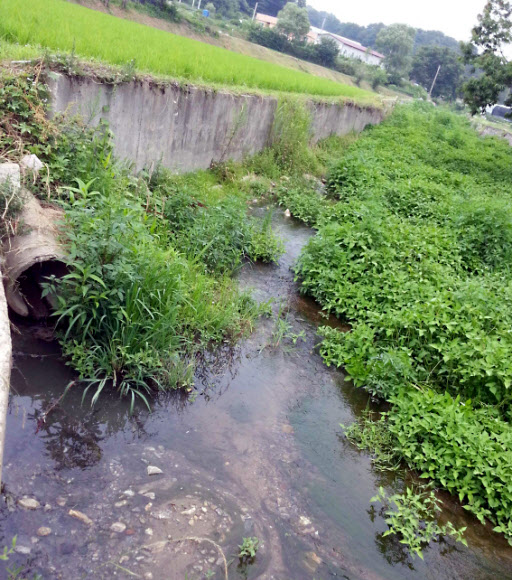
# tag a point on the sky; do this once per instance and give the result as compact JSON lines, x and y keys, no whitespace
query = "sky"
{"x":453,"y":17}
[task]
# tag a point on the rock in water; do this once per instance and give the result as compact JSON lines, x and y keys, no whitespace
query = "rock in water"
{"x":152,"y":470}
{"x":118,"y":527}
{"x":44,"y":531}
{"x":80,"y":516}
{"x":29,"y":503}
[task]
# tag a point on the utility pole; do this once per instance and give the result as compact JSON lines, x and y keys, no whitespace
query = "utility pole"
{"x":323,"y":23}
{"x":255,"y":11}
{"x":434,"y":82}
{"x":199,"y":5}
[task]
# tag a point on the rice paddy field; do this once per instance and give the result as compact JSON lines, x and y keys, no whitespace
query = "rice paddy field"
{"x":57,"y":25}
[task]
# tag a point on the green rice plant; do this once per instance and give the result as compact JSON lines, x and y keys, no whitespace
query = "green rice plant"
{"x":62,"y":26}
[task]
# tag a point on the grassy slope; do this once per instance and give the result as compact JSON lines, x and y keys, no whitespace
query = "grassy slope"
{"x":236,"y":44}
{"x":232,"y":43}
{"x":58,"y":25}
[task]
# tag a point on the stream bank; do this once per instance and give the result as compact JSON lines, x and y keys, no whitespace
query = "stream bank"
{"x":258,"y":453}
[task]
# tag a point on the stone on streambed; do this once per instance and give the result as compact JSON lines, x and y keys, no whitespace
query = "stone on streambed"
{"x":80,"y":516}
{"x":43,"y":531}
{"x":118,"y":527}
{"x":152,"y":470}
{"x":29,"y":503}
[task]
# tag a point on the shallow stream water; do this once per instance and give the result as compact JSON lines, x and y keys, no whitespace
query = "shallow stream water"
{"x":258,"y":453}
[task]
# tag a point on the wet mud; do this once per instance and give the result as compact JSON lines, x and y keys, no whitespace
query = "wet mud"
{"x":257,"y":451}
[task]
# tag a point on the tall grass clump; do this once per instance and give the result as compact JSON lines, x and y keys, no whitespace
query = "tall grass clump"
{"x":132,"y":309}
{"x":63,"y":26}
{"x":149,"y":256}
{"x":416,"y":256}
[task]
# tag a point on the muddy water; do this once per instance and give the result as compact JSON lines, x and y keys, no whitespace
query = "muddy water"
{"x":258,"y":453}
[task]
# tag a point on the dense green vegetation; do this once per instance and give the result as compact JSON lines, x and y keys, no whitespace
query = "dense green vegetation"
{"x":150,"y":256}
{"x":61,"y":26}
{"x":413,"y":250}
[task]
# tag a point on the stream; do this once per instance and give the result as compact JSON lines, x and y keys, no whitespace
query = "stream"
{"x":257,"y":452}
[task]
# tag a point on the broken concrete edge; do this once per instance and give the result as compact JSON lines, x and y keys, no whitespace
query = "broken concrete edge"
{"x":38,"y":241}
{"x":5,"y":368}
{"x":115,"y":75}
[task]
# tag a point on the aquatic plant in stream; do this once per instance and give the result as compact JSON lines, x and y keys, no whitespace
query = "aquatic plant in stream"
{"x":465,"y":450}
{"x":412,"y":516}
{"x":264,"y":245}
{"x":302,"y":200}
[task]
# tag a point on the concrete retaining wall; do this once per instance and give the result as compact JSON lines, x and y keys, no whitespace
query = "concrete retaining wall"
{"x":187,"y":127}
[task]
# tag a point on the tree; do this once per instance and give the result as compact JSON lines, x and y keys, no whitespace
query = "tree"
{"x":301,"y":3}
{"x":434,"y":38}
{"x":397,"y":42}
{"x":484,"y":54}
{"x":271,"y":7}
{"x":424,"y":68}
{"x":293,"y":21}
{"x":227,"y":8}
{"x":326,"y":51}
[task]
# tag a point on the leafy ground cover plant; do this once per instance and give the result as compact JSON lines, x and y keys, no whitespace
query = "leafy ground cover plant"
{"x":248,"y":548}
{"x":415,"y":256}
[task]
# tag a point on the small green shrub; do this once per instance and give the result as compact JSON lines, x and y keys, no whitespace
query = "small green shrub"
{"x":248,"y":549}
{"x":302,"y":200}
{"x":264,"y":245}
{"x":412,"y":517}
{"x":131,"y":309}
{"x":290,"y":137}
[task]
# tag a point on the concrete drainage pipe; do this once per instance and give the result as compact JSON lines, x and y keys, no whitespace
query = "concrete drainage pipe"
{"x":30,"y":257}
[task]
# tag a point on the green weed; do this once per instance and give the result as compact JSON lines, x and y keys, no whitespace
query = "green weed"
{"x":248,"y":549}
{"x":412,"y":517}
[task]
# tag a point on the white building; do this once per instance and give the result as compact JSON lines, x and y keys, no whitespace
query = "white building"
{"x":349,"y":48}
